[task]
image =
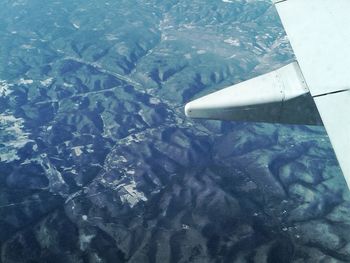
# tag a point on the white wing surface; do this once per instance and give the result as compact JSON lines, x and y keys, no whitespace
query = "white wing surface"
{"x":319,"y":33}
{"x":335,"y":113}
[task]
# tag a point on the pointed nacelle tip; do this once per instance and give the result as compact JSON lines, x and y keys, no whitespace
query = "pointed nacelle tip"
{"x":188,"y":110}
{"x":196,"y":110}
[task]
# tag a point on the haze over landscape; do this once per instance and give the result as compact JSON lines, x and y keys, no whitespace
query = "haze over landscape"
{"x":99,"y":164}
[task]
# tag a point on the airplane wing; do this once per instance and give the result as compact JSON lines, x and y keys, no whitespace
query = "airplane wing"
{"x":319,"y":33}
{"x":315,"y":87}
